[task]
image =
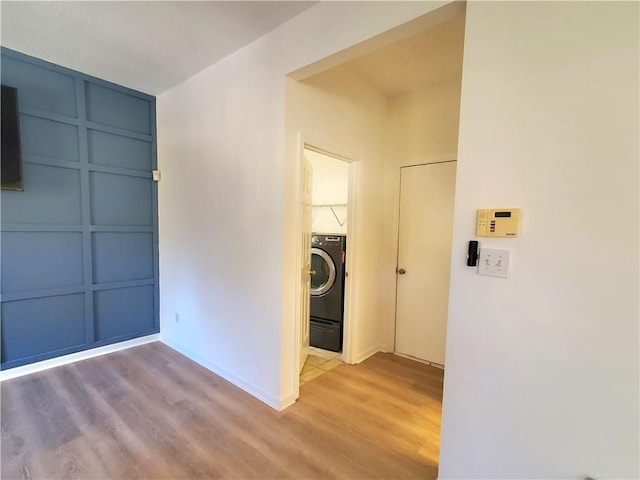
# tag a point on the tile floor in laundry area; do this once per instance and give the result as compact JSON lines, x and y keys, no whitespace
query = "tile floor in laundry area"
{"x":318,"y":362}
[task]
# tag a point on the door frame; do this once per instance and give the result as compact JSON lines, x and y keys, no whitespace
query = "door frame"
{"x":330,"y":149}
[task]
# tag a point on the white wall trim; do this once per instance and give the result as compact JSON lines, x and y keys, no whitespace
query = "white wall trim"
{"x":420,"y":360}
{"x":274,"y":402}
{"x":370,"y":352}
{"x":75,"y":357}
{"x":354,"y":213}
{"x":288,"y":400}
{"x":342,"y":152}
{"x":297,"y":286}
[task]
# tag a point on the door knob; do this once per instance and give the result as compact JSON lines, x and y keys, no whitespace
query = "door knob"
{"x":312,"y":272}
{"x":401,"y":271}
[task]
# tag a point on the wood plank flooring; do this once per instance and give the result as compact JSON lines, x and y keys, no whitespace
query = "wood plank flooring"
{"x":149,"y":412}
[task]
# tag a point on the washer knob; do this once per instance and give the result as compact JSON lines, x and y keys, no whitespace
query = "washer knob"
{"x":314,"y":240}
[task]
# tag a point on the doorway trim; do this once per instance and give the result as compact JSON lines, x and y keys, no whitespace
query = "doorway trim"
{"x":339,"y":152}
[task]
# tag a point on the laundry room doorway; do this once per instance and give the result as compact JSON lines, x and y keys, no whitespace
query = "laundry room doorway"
{"x":329,"y":244}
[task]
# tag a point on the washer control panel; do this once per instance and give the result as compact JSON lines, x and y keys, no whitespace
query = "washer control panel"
{"x":321,"y":240}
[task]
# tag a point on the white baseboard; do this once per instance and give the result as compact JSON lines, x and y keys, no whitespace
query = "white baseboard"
{"x":369,"y":352}
{"x":287,"y":401}
{"x":271,"y":400}
{"x":420,"y":360}
{"x":75,"y":357}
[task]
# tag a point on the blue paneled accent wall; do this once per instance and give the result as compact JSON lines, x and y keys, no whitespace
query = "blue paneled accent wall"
{"x":79,"y":246}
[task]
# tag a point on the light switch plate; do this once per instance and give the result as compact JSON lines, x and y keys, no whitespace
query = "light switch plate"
{"x":494,"y":262}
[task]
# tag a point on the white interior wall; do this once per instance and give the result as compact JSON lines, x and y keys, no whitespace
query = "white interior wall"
{"x":330,"y":179}
{"x":330,"y":219}
{"x":424,"y":123}
{"x":227,"y":211}
{"x":542,"y":368}
{"x":330,"y":193}
{"x":422,"y":127}
{"x":221,"y":204}
{"x":339,"y":108}
{"x":549,"y":357}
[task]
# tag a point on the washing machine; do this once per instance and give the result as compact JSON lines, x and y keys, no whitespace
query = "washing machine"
{"x":327,"y":291}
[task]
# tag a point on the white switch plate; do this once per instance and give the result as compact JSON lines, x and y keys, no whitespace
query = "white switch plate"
{"x":494,"y":262}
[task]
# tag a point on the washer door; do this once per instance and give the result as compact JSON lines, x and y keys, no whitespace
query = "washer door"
{"x":325,"y":272}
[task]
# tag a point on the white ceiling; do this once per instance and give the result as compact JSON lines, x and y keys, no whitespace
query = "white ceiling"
{"x":152,"y":46}
{"x":148,"y":45}
{"x":418,"y":61}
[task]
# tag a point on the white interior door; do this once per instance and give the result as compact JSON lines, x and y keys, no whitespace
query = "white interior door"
{"x":424,"y":257}
{"x":305,"y":267}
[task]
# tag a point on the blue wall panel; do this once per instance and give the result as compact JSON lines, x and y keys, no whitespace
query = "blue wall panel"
{"x":118,"y":109}
{"x":41,"y":327}
{"x":41,"y":260}
{"x":119,"y":151}
{"x":48,"y":138}
{"x":120,"y":200}
{"x":51,"y":196}
{"x":79,"y":245}
{"x":41,"y":87}
{"x":120,"y":256}
{"x":123,"y":311}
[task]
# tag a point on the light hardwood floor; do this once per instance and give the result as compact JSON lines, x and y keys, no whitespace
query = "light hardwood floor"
{"x":149,"y":412}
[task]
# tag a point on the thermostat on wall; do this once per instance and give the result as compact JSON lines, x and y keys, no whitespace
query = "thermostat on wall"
{"x":499,"y":222}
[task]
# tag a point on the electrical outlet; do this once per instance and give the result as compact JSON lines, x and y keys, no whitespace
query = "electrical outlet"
{"x":494,"y":262}
{"x":177,"y":317}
